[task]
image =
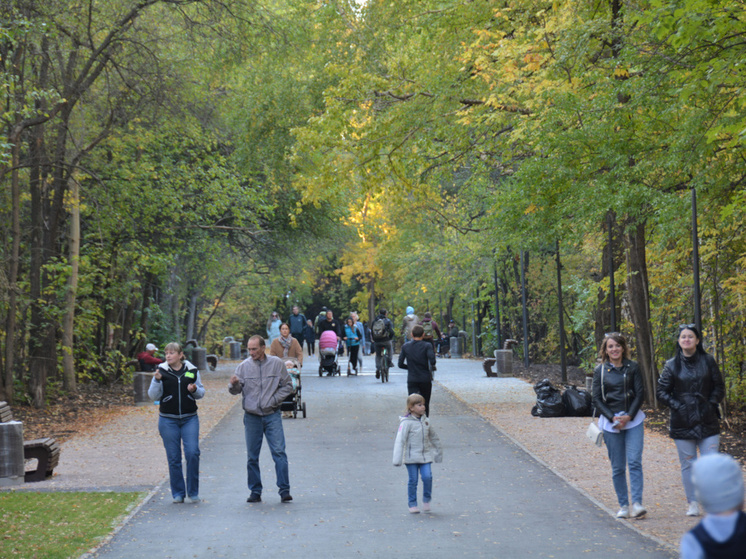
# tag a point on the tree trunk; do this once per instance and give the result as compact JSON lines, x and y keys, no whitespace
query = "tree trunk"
{"x":10,"y":322}
{"x":191,"y":315}
{"x":68,"y":321}
{"x":37,"y":327}
{"x":639,"y":304}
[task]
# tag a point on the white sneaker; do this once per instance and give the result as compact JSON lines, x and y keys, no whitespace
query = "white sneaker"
{"x":425,"y":507}
{"x":623,"y":512}
{"x":693,"y":509}
{"x":637,"y":510}
{"x":414,"y":510}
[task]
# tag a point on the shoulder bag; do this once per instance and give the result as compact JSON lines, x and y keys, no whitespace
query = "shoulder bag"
{"x":594,"y":432}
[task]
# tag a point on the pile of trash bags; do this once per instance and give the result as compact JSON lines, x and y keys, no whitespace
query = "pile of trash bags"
{"x":552,"y":402}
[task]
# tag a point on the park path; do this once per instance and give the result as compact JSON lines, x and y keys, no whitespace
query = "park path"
{"x":491,"y":497}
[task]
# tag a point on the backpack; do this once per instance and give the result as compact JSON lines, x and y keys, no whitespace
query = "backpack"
{"x":379,"y":329}
{"x":427,"y":326}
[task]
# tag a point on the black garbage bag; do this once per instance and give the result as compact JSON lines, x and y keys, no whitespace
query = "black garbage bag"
{"x":577,"y":402}
{"x":548,"y":400}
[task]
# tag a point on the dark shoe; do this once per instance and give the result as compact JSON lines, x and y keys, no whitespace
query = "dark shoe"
{"x":286,"y":497}
{"x":378,"y":373}
{"x":254,"y":498}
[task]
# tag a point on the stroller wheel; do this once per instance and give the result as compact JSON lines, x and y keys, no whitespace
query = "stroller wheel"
{"x":321,"y":371}
{"x":304,"y":410}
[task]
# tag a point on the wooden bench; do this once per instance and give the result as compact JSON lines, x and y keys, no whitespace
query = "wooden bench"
{"x":46,"y":451}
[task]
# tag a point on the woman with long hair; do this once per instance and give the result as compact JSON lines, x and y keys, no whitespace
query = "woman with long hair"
{"x":618,"y":394}
{"x":692,"y":387}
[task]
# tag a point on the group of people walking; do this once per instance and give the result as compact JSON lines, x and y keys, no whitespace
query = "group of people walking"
{"x":690,"y":385}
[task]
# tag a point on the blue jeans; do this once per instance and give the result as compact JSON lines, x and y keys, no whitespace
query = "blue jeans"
{"x":688,"y":454}
{"x":174,"y":432}
{"x":625,"y":449}
{"x":426,"y":472}
{"x":269,"y":426}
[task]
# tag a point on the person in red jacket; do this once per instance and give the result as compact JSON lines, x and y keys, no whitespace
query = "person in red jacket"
{"x":147,"y":359}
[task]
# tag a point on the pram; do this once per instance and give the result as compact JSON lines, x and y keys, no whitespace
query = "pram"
{"x":294,"y":402}
{"x":328,"y":354}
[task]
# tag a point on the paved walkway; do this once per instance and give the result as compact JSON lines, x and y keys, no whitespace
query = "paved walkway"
{"x":490,"y":497}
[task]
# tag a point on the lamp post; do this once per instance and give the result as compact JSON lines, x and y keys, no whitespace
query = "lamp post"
{"x":525,"y":310}
{"x":497,"y":311}
{"x":695,"y":264}
{"x":563,"y":356}
{"x":612,"y":288}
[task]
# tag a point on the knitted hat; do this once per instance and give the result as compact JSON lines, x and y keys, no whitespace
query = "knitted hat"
{"x":410,"y":310}
{"x":718,"y":483}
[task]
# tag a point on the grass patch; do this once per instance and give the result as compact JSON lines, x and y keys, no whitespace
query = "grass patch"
{"x":58,"y":525}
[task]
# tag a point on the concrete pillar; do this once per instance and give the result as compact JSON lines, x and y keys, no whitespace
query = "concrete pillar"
{"x":235,"y":350}
{"x":141,"y":383}
{"x":504,"y":362}
{"x":199,"y":355}
{"x":12,"y":469}
{"x":457,"y":347}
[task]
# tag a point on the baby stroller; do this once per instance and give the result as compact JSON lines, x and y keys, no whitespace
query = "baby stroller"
{"x":294,"y":402}
{"x":328,"y":354}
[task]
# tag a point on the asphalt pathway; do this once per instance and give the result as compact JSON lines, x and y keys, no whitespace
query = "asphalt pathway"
{"x":490,"y":498}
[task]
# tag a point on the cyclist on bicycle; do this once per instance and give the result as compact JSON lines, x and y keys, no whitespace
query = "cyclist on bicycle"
{"x":383,"y":336}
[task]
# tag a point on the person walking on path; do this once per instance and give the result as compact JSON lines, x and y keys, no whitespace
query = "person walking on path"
{"x":177,"y":384}
{"x":382,"y":334}
{"x":352,"y":339}
{"x":718,"y":484}
{"x":618,"y":394}
{"x":286,"y":346}
{"x":310,"y":337}
{"x":297,"y":323}
{"x":430,"y":328}
{"x":273,"y":326}
{"x":418,"y":446}
{"x":409,"y":322}
{"x":418,"y":358}
{"x":329,"y":323}
{"x":264,"y":383}
{"x":692,"y":387}
{"x":361,"y":334}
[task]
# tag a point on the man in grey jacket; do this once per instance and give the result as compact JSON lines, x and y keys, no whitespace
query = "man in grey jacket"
{"x":264,"y":383}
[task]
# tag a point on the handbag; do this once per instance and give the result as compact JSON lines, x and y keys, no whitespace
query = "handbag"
{"x":594,"y":433}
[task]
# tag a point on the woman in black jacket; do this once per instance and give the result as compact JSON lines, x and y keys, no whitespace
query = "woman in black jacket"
{"x":177,"y":385}
{"x":618,"y":393}
{"x":692,"y":387}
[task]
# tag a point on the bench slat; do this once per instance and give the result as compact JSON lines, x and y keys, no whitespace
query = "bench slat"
{"x":6,"y":414}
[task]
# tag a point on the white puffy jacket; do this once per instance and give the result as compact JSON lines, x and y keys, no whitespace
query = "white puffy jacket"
{"x":416,"y":442}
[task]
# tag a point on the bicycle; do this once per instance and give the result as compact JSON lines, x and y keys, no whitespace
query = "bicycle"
{"x":382,"y":363}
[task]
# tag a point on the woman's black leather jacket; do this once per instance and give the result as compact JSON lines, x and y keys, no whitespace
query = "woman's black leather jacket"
{"x":623,"y":389}
{"x":693,"y":395}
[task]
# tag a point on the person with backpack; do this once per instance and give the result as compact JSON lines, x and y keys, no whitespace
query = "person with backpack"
{"x":430,"y":329}
{"x":382,"y":333}
{"x":410,"y":320}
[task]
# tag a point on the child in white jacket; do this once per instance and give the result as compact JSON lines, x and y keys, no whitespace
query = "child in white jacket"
{"x":418,"y":446}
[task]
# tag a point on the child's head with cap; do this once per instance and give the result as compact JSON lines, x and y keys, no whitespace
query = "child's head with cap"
{"x":718,"y":483}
